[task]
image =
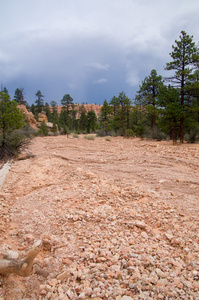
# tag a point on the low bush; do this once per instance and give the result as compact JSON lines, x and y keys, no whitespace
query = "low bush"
{"x":43,"y":130}
{"x":115,"y":133}
{"x":129,"y":133}
{"x":192,"y":136}
{"x":155,"y":134}
{"x":101,"y":133}
{"x":15,"y":142}
{"x":89,"y":137}
{"x":65,"y":130}
{"x":53,"y":133}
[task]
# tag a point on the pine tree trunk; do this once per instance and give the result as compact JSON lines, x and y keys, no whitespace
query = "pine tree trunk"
{"x":174,"y":135}
{"x":123,"y":121}
{"x":182,"y":130}
{"x":153,"y":121}
{"x":182,"y":106}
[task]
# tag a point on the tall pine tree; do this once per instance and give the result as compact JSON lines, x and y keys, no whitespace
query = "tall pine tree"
{"x":184,"y":56}
{"x":148,"y":93}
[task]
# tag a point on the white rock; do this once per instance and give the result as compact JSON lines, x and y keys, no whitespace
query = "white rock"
{"x":9,"y":254}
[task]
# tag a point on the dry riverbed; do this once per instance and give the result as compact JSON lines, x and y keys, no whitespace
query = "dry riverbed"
{"x":119,"y":219}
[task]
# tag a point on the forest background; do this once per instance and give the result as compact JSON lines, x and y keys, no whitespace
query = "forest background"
{"x":163,"y":108}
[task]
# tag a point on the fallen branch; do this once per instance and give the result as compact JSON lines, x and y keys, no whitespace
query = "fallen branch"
{"x":22,"y":268}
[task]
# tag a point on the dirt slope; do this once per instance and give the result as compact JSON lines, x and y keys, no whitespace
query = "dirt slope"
{"x":118,"y":218}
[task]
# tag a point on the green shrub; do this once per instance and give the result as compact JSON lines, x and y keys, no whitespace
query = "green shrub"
{"x":192,"y":136}
{"x":155,"y":134}
{"x":15,"y":141}
{"x":55,"y":127}
{"x":89,"y":137}
{"x":43,"y":130}
{"x":75,"y":135}
{"x":100,"y":132}
{"x":108,"y":138}
{"x":65,"y":130}
{"x":53,"y":133}
{"x":129,"y":133}
{"x":139,"y":130}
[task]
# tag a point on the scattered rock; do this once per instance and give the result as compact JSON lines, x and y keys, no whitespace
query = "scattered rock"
{"x":63,"y":276}
{"x":106,"y":220}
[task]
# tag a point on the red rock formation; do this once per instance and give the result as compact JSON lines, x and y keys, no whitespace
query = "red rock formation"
{"x":42,"y":117}
{"x":95,"y":107}
{"x":29,"y":115}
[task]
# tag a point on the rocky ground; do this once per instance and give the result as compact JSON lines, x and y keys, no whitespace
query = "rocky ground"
{"x":119,"y":219}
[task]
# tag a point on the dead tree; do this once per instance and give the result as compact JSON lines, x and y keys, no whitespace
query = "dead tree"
{"x":20,"y":267}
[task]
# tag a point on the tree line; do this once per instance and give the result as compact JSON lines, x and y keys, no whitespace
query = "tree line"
{"x":162,"y":107}
{"x":15,"y":132}
{"x":72,"y":117}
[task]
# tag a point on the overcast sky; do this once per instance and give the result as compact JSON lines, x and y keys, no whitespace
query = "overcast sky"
{"x":90,"y":49}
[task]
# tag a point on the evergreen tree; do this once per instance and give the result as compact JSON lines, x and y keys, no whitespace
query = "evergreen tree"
{"x":91,"y":121}
{"x":55,"y":116}
{"x":65,"y":117}
{"x":66,"y":102}
{"x":185,"y":57}
{"x":149,"y":94}
{"x":43,"y":130}
{"x":54,"y":106}
{"x":49,"y":116}
{"x":33,"y":110}
{"x":73,"y":114}
{"x":19,"y":96}
{"x":4,"y":89}
{"x":193,"y":96}
{"x":105,"y":117}
{"x":39,"y":101}
{"x":83,"y":118}
{"x":115,"y":121}
{"x":124,"y":103}
{"x":170,"y":110}
{"x":137,"y":120}
{"x":11,"y":119}
{"x":114,"y":103}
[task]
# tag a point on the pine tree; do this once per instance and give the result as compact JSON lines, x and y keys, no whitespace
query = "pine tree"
{"x":11,"y":120}
{"x":149,"y":94}
{"x":105,"y":117}
{"x":124,"y":103}
{"x":169,"y":110}
{"x":91,"y":121}
{"x":83,"y":118}
{"x":185,"y":57}
{"x":66,"y":102}
{"x":39,"y":101}
{"x":19,"y":96}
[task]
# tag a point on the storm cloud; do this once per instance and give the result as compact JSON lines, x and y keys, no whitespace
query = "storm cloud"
{"x":90,"y":49}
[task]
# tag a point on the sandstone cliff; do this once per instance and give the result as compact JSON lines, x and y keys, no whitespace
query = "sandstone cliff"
{"x":29,"y":115}
{"x":42,"y":116}
{"x":95,"y":107}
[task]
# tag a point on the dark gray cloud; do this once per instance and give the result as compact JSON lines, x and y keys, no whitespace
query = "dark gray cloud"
{"x":90,"y":49}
